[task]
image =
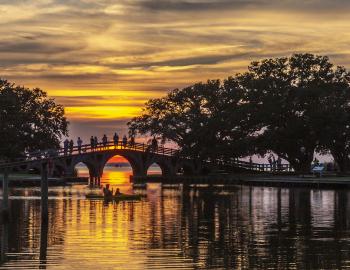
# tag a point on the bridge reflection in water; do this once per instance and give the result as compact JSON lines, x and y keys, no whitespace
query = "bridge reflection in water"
{"x":240,"y":227}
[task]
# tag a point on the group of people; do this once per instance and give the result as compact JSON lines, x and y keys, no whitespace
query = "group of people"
{"x":274,"y":164}
{"x":68,"y":145}
{"x":109,"y":192}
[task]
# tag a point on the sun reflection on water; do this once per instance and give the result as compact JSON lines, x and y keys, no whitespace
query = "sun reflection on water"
{"x":173,"y":227}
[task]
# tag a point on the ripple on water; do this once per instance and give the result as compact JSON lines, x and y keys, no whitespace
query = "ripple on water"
{"x":201,"y":228}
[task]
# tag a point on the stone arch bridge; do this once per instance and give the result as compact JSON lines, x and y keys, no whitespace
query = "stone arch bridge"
{"x":139,"y":155}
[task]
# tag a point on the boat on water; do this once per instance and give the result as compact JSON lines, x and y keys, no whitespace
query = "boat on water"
{"x":120,"y":197}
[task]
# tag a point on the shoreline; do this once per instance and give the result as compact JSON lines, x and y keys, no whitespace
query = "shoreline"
{"x":32,"y":180}
{"x":252,"y":180}
{"x":328,"y":181}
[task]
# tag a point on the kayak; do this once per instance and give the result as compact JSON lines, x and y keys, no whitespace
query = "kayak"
{"x":121,"y":197}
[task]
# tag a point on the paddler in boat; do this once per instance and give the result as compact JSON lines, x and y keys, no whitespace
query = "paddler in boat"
{"x":117,"y":192}
{"x":107,"y":192}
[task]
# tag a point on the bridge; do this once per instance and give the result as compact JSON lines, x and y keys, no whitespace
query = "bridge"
{"x":62,"y":162}
{"x":141,"y":156}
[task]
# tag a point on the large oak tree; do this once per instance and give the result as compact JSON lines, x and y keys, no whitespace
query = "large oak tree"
{"x":29,"y":121}
{"x":293,"y":103}
{"x":292,"y":106}
{"x":194,"y":118}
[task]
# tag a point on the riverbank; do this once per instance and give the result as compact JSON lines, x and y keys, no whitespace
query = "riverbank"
{"x":32,"y":180}
{"x":330,"y":181}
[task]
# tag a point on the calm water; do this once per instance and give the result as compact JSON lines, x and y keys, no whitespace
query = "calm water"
{"x":202,"y":228}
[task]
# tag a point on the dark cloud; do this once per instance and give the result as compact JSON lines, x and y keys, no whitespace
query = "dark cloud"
{"x":184,"y":6}
{"x":86,"y":101}
{"x":74,"y":45}
{"x":23,"y":46}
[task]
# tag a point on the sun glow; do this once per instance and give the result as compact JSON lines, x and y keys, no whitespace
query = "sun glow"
{"x":111,"y":64}
{"x":102,"y":112}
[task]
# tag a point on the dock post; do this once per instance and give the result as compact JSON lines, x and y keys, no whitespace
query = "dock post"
{"x":44,"y":194}
{"x":4,"y":242}
{"x":5,"y":196}
{"x":43,"y":244}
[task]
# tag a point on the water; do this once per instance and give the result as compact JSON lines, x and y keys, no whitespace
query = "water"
{"x":171,"y":228}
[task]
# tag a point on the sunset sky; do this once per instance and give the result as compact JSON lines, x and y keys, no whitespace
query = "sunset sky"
{"x":103,"y":59}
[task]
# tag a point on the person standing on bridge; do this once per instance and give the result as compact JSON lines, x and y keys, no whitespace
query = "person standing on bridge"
{"x":104,"y":141}
{"x":279,"y":164}
{"x":132,"y":141}
{"x":154,"y":144}
{"x":92,"y":143}
{"x":65,"y":146}
{"x":71,"y":146}
{"x":125,"y":141}
{"x":115,"y":140}
{"x":79,"y":143}
{"x":95,"y":142}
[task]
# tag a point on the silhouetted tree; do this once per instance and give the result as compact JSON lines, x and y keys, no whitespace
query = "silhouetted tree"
{"x":292,"y":106}
{"x":29,"y":120}
{"x":335,"y":134}
{"x":289,"y":100}
{"x":195,"y":119}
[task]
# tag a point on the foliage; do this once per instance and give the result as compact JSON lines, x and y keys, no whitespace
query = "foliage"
{"x":193,"y":118}
{"x":29,"y":120}
{"x":292,"y":106}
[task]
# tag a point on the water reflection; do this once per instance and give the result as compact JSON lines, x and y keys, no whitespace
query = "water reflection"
{"x":192,"y":228}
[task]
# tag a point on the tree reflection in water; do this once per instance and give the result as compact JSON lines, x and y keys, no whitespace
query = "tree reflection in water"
{"x":237,"y":227}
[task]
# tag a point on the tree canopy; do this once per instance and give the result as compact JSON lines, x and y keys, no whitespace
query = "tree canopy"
{"x":29,"y":120}
{"x":291,"y":100}
{"x":293,"y":106}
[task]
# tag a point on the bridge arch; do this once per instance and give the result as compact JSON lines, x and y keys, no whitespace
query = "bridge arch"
{"x":155,"y":169}
{"x":166,"y":166}
{"x":135,"y":160}
{"x":79,"y":167}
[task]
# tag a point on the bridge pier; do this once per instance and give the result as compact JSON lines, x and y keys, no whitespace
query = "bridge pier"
{"x":44,"y":194}
{"x":95,"y":175}
{"x":5,"y":196}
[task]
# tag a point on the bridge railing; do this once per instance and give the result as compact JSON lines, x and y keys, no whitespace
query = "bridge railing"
{"x":88,"y":148}
{"x":134,"y":146}
{"x":259,"y":167}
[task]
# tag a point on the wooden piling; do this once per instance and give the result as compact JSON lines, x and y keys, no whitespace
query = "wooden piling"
{"x":4,"y":242}
{"x":44,"y":194}
{"x":5,"y":196}
{"x":43,"y":244}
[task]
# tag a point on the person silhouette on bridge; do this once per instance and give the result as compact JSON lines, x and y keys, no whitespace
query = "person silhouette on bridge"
{"x":125,"y":141}
{"x":279,"y":164}
{"x":104,"y":141}
{"x":95,"y":142}
{"x":92,"y":143}
{"x":65,"y":146}
{"x":71,"y":146}
{"x":154,"y":144}
{"x":79,"y":143}
{"x":132,"y":141}
{"x":115,"y":139}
